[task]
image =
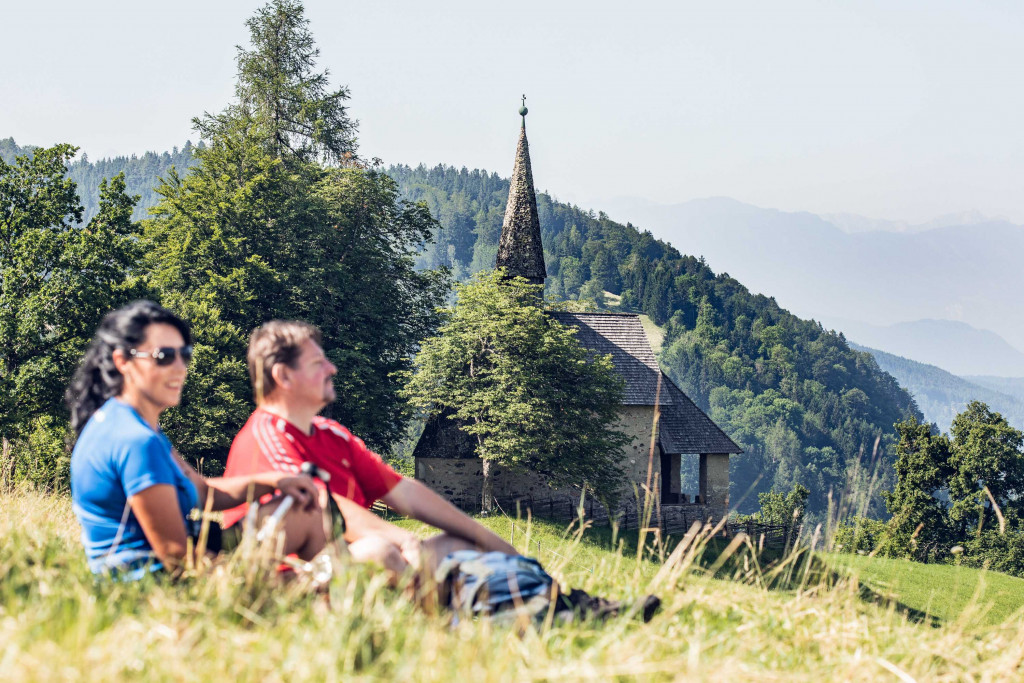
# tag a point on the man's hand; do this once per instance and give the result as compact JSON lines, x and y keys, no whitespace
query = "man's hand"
{"x":412,"y":551}
{"x":300,"y":487}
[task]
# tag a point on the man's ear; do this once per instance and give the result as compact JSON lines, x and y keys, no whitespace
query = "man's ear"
{"x":282,"y":376}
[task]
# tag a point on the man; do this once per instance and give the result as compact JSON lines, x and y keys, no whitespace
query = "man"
{"x":292,"y":381}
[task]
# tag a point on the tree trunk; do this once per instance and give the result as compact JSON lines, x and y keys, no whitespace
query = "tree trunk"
{"x":487,"y":499}
{"x":6,"y":466}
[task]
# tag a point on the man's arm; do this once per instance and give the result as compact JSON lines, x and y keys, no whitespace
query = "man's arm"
{"x":360,"y":522}
{"x":412,"y":499}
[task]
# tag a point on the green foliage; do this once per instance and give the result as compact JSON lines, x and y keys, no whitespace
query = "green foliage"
{"x":781,"y":510}
{"x":258,"y":230}
{"x":1001,"y":552}
{"x":45,"y":461}
{"x":57,"y":279}
{"x":919,"y":524}
{"x":805,"y":408}
{"x":945,"y":490}
{"x":860,"y":535}
{"x":521,"y":384}
{"x":986,"y":454}
{"x":778,"y":508}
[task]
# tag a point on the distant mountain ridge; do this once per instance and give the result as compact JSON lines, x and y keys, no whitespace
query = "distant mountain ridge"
{"x":970,"y":273}
{"x":951,"y":345}
{"x":941,"y":395}
{"x":1013,"y":386}
{"x":852,"y":223}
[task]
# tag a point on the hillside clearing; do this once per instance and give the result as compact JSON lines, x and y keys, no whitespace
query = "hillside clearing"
{"x":655,"y":333}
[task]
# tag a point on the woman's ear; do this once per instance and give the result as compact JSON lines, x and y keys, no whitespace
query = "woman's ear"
{"x":121,"y":360}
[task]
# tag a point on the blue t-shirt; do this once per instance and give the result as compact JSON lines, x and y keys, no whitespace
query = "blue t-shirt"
{"x":117,"y":456}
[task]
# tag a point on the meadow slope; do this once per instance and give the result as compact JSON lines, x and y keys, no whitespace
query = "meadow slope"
{"x":57,"y":622}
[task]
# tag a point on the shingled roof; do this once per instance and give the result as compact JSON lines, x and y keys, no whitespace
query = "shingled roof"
{"x":683,"y":427}
{"x":621,"y":335}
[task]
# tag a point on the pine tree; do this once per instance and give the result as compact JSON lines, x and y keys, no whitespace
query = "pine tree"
{"x":282,"y":96}
{"x":261,"y":229}
{"x":919,"y":518}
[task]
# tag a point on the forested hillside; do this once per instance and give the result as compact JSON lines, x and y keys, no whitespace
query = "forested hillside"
{"x":141,"y":174}
{"x":805,"y":407}
{"x":941,"y":395}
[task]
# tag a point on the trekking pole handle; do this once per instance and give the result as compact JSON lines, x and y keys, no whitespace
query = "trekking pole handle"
{"x":312,"y":470}
{"x":274,"y":520}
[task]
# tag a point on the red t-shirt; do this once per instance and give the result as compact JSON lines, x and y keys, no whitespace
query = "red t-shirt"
{"x":268,"y":442}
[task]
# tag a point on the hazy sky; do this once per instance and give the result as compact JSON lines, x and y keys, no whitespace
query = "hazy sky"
{"x":899,"y":110}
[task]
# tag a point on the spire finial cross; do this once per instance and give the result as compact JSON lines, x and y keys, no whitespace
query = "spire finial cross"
{"x":523,"y":111}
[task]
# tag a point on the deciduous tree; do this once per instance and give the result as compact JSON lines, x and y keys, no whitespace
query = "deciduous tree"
{"x":986,"y":454}
{"x":520,"y":383}
{"x":57,"y":279}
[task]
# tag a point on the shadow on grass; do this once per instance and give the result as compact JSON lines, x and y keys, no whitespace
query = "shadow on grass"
{"x":774,"y":569}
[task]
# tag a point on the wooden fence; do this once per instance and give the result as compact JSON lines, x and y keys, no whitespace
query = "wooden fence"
{"x":674,"y":520}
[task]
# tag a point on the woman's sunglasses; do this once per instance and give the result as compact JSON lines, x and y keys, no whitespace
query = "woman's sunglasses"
{"x":165,"y":355}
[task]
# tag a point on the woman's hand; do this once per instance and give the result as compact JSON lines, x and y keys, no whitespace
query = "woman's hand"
{"x":300,"y":487}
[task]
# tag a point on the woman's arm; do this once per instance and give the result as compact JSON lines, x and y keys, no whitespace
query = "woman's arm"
{"x":231,"y":491}
{"x":157,"y":510}
{"x":158,"y":513}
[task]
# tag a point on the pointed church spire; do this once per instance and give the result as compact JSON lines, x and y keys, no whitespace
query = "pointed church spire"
{"x":519,"y":250}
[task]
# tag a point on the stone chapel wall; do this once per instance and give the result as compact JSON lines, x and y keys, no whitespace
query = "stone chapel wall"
{"x":460,"y":480}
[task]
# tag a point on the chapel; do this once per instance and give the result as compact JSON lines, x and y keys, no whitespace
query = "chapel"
{"x":445,"y":458}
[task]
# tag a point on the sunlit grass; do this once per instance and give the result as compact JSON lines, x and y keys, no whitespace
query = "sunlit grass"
{"x":944,"y":591}
{"x":236,"y":623}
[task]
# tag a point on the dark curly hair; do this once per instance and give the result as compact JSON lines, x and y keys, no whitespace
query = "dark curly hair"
{"x":97,"y":379}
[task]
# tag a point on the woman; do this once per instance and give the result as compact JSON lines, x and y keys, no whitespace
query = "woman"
{"x":131,"y":491}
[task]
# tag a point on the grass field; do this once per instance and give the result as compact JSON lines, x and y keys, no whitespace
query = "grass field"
{"x":945,"y":592}
{"x":235,"y":622}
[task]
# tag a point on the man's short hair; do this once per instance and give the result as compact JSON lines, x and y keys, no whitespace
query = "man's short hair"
{"x":278,"y":341}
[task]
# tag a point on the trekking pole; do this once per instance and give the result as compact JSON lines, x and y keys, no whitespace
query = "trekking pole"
{"x":270,"y":526}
